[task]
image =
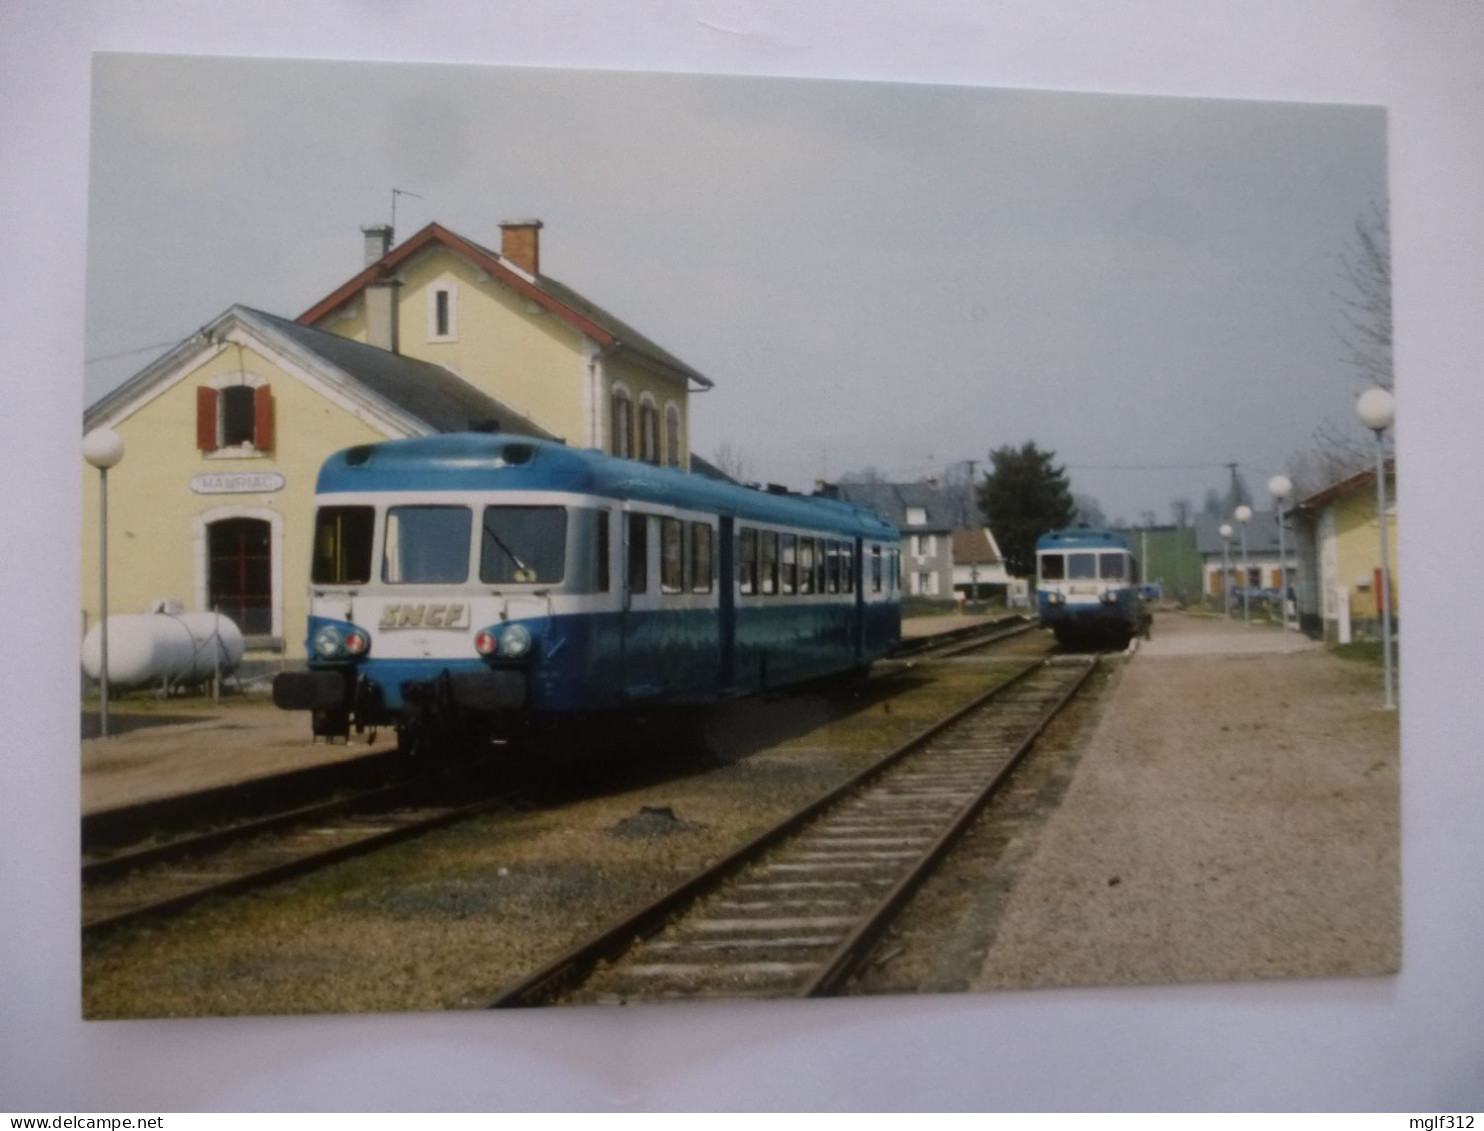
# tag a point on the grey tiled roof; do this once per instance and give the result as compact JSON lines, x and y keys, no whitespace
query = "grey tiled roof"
{"x":440,"y":399}
{"x":1262,"y":533}
{"x":892,"y":501}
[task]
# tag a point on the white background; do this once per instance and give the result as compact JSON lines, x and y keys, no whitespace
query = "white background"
{"x":1410,"y":1043}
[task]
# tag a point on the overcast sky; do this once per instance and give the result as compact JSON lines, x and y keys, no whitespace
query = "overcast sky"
{"x":874,"y":275}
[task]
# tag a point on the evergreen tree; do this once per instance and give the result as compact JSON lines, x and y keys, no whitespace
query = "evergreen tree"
{"x":1025,"y":495}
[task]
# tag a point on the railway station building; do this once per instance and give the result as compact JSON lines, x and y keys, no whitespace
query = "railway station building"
{"x":1339,"y":546}
{"x":224,"y":434}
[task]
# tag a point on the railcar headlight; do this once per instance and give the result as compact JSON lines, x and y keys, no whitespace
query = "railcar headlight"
{"x":1054,"y":598}
{"x":515,"y":642}
{"x":327,"y":642}
{"x":1109,"y":597}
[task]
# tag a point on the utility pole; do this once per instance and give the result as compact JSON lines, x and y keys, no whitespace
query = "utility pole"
{"x":974,"y":544}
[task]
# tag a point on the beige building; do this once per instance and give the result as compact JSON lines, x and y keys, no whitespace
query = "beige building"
{"x":224,"y":435}
{"x":1339,"y":535}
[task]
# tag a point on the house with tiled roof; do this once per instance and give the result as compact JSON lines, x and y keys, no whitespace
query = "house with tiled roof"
{"x":927,"y":516}
{"x":225,"y":433}
{"x":1338,"y":537}
{"x":521,"y":336}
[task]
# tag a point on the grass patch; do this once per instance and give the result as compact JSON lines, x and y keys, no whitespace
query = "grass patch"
{"x":1360,"y":651}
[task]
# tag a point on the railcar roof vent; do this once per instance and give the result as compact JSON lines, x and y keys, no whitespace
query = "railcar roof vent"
{"x":516,"y":454}
{"x":777,"y":489}
{"x":359,"y":456}
{"x":485,"y":424}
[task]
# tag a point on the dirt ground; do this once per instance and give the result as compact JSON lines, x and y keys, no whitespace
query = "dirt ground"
{"x":1235,"y":814}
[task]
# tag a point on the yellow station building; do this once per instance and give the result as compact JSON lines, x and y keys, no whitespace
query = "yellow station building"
{"x":224,"y":434}
{"x":1340,"y":548}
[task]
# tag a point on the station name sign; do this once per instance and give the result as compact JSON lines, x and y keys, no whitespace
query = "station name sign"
{"x":237,"y":483}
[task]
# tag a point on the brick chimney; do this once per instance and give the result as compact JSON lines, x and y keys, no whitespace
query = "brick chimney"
{"x":520,"y":243}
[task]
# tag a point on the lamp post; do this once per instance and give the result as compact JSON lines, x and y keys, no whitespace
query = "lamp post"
{"x":1377,"y":409}
{"x":1226,"y":569}
{"x":1242,"y":514}
{"x":1280,"y":487}
{"x":103,"y":448}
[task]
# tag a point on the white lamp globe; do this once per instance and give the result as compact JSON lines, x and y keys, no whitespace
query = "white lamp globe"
{"x":103,"y":448}
{"x":1280,"y":486}
{"x":1243,"y":513}
{"x":1226,"y":530}
{"x":1376,"y":409}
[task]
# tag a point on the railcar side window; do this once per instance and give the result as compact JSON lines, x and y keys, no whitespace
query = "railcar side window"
{"x":769,"y":557}
{"x":601,"y":552}
{"x":832,"y":567}
{"x":747,"y":574}
{"x":1082,"y":566}
{"x":700,"y":558}
{"x":342,"y":545}
{"x":875,"y":569}
{"x":672,"y":555}
{"x":806,"y":565}
{"x":426,"y":545}
{"x":523,"y":545}
{"x":847,"y":567}
{"x":638,"y":553}
{"x":1053,"y":567}
{"x":1111,"y":566}
{"x":790,"y":560}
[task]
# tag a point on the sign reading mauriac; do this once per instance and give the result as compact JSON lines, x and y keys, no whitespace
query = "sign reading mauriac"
{"x":237,"y":483}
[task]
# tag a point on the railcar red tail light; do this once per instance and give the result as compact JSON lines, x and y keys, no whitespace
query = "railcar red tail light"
{"x":485,"y":643}
{"x":356,"y":643}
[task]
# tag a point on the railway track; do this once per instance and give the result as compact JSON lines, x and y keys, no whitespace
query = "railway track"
{"x":796,"y":911}
{"x":168,"y":879}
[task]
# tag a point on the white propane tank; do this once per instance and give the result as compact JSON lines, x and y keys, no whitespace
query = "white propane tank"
{"x":163,"y":647}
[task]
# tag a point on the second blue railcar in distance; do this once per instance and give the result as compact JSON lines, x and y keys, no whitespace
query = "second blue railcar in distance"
{"x":1088,"y":588}
{"x":476,"y":587}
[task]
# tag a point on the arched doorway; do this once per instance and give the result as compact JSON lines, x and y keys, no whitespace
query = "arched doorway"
{"x":239,"y":573}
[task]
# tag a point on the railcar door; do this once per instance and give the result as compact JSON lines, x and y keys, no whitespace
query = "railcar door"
{"x":726,"y":605}
{"x":859,"y":633}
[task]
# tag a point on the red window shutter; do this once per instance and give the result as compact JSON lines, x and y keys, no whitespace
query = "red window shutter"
{"x":262,"y":404}
{"x":206,"y":419}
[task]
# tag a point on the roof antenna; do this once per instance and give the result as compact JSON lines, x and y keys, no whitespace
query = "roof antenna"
{"x":396,"y":192}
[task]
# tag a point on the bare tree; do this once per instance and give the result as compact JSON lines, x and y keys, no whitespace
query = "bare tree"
{"x":1341,"y":450}
{"x":730,"y":461}
{"x":1365,"y":267}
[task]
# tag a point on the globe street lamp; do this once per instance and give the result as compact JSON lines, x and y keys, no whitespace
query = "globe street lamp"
{"x":1280,"y":487}
{"x":1226,"y":569}
{"x":103,"y":448}
{"x":1242,"y":514}
{"x":1377,"y":409}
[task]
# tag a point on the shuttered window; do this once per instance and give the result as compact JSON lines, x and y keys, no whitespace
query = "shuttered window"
{"x":239,"y":416}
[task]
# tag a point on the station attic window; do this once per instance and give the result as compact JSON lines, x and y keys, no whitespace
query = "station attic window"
{"x":238,"y":416}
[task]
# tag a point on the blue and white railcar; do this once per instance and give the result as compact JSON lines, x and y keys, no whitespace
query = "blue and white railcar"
{"x":482,"y":586}
{"x":1088,"y":588}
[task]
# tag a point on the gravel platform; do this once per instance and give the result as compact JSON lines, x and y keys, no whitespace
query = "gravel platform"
{"x":1234,"y":816}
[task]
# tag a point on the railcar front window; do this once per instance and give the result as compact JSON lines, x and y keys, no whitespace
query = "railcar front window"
{"x":1111,"y":567}
{"x":1082,"y":567}
{"x":523,"y":545}
{"x":1053,"y":567}
{"x":342,"y":545}
{"x":426,"y":545}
